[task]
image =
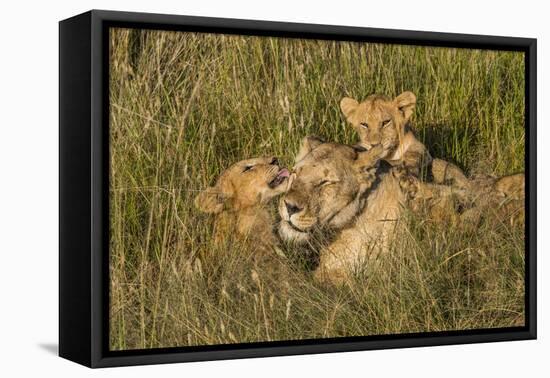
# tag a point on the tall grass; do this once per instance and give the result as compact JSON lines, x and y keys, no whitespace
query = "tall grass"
{"x":185,"y":105}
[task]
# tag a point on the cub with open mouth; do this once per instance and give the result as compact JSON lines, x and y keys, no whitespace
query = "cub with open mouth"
{"x":240,"y":199}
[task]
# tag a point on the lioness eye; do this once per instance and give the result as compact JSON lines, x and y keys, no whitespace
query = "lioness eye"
{"x":324,"y":182}
{"x":365,"y":125}
{"x":386,"y":122}
{"x":248,"y":168}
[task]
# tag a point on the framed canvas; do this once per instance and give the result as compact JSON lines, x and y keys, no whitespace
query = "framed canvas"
{"x":234,"y":188}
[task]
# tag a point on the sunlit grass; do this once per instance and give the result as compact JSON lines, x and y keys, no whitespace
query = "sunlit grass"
{"x":184,"y":106}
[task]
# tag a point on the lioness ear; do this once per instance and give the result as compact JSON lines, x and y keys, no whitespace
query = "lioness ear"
{"x":369,"y":160}
{"x":309,"y":143}
{"x":348,"y":106}
{"x":211,"y":200}
{"x":406,"y":102}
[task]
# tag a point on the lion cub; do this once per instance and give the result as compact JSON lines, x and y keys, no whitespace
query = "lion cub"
{"x":503,"y":195}
{"x":380,"y":120}
{"x":239,"y":200}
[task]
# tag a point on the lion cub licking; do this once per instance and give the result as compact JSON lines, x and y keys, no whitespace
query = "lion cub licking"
{"x":239,"y":200}
{"x":380,"y":120}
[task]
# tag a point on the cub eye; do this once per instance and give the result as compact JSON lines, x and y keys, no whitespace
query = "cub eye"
{"x":386,"y":122}
{"x":248,"y":168}
{"x":365,"y":125}
{"x":324,"y":182}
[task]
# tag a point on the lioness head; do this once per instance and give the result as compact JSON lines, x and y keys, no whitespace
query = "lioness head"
{"x":326,"y":189}
{"x":380,"y":120}
{"x":246,"y":183}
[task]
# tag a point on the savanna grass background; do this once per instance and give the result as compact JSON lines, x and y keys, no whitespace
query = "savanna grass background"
{"x":183,"y":106}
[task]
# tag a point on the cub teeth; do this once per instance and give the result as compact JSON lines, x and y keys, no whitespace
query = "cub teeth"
{"x":281,"y":176}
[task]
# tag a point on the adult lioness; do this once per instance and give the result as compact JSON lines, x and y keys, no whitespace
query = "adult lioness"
{"x":380,"y":120}
{"x":239,"y":199}
{"x":336,"y":188}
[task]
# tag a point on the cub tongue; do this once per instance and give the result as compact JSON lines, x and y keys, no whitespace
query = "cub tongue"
{"x":283,"y":173}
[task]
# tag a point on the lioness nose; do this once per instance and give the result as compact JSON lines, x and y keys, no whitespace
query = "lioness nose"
{"x":274,"y":161}
{"x":291,"y":208}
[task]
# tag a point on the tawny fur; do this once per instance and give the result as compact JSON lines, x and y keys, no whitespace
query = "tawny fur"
{"x":503,"y":196}
{"x":336,"y":189}
{"x":478,"y":196}
{"x":382,"y":120}
{"x":240,"y":202}
{"x":370,"y":234}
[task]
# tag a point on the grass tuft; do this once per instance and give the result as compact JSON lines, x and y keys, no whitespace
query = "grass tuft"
{"x":186,"y":105}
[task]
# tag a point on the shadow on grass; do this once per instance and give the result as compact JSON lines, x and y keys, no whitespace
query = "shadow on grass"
{"x":439,"y":137}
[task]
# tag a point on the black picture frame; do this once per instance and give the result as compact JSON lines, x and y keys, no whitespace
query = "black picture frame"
{"x":83,"y":181}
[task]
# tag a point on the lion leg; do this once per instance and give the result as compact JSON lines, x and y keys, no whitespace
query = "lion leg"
{"x":339,"y":260}
{"x":327,"y":276}
{"x":334,"y":264}
{"x":414,"y":188}
{"x":416,"y":162}
{"x":440,"y":201}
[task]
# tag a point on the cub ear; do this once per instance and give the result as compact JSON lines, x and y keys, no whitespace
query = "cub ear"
{"x":348,"y":106}
{"x":309,"y":143}
{"x":211,"y":200}
{"x":368,"y":161}
{"x":406,"y":102}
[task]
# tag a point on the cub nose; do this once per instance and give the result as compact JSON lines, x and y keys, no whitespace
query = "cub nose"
{"x":291,"y":208}
{"x":274,"y":161}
